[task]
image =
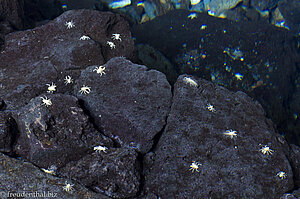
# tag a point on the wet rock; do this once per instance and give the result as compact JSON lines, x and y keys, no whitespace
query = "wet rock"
{"x":56,"y":134}
{"x":295,"y":163}
{"x":128,"y":102}
{"x":219,"y":6}
{"x":288,"y":196}
{"x":266,"y":73}
{"x":228,"y":167}
{"x":113,"y":172}
{"x":296,"y":193}
{"x":8,"y":132}
{"x":12,"y":15}
{"x":18,"y":177}
{"x":33,"y":58}
{"x":154,"y":59}
{"x":290,"y":9}
{"x":264,"y":5}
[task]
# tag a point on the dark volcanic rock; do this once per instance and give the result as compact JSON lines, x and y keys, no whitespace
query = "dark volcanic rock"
{"x":48,"y":53}
{"x":264,"y":5}
{"x":129,"y":103}
{"x":56,"y":134}
{"x":113,"y":172}
{"x":154,"y":59}
{"x":269,"y":57}
{"x":22,"y":177}
{"x":295,"y":163}
{"x":7,"y":132}
{"x":230,"y":167}
{"x":290,"y":10}
{"x":12,"y":14}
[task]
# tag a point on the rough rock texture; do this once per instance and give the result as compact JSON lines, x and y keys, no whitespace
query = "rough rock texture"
{"x":22,"y":177}
{"x":154,"y":59}
{"x":295,"y":163}
{"x":113,"y":172}
{"x":46,"y":54}
{"x":264,"y":5}
{"x":219,"y":6}
{"x":268,"y":69}
{"x":56,"y":134}
{"x":128,"y":102}
{"x":290,"y":9}
{"x":231,"y":168}
{"x":8,"y":131}
{"x":12,"y":15}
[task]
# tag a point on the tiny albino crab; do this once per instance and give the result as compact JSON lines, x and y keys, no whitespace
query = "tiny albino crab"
{"x":230,"y":133}
{"x":47,"y":102}
{"x":266,"y":150}
{"x":192,"y":15}
{"x":111,"y":44}
{"x":190,"y":81}
{"x":116,"y":37}
{"x":68,"y":187}
{"x":84,"y":37}
{"x":195,"y":166}
{"x":51,"y":88}
{"x":68,"y":80}
{"x":50,"y":170}
{"x":211,"y":108}
{"x":100,"y":70}
{"x":70,"y":24}
{"x":100,"y":148}
{"x":85,"y":90}
{"x":281,"y":175}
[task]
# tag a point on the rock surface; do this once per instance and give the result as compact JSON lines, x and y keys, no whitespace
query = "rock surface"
{"x":57,"y":134}
{"x":230,"y":167}
{"x":147,"y":151}
{"x":114,"y":172}
{"x":128,"y":102}
{"x":18,"y":177}
{"x":209,"y":53}
{"x":8,"y":131}
{"x":33,"y":58}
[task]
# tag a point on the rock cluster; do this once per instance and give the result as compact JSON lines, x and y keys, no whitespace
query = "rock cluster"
{"x":129,"y":135}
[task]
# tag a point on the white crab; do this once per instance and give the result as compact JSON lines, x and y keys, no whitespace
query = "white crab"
{"x":85,"y":90}
{"x":281,"y":175}
{"x":68,"y":187}
{"x":211,"y":108}
{"x":193,"y":15}
{"x":51,"y":88}
{"x":70,"y":24}
{"x":266,"y":150}
{"x":100,"y":148}
{"x":49,"y":171}
{"x":190,"y":81}
{"x":195,"y":166}
{"x":46,"y":102}
{"x":111,"y":44}
{"x":84,"y":37}
{"x":230,"y":133}
{"x":100,"y":70}
{"x":68,"y":80}
{"x":116,"y":37}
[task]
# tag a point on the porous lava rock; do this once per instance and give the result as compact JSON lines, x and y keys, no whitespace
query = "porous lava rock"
{"x":230,"y":167}
{"x":114,"y":172}
{"x":36,"y":57}
{"x":129,"y":103}
{"x":295,"y":163}
{"x":8,"y":131}
{"x":54,"y":135}
{"x":19,"y":177}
